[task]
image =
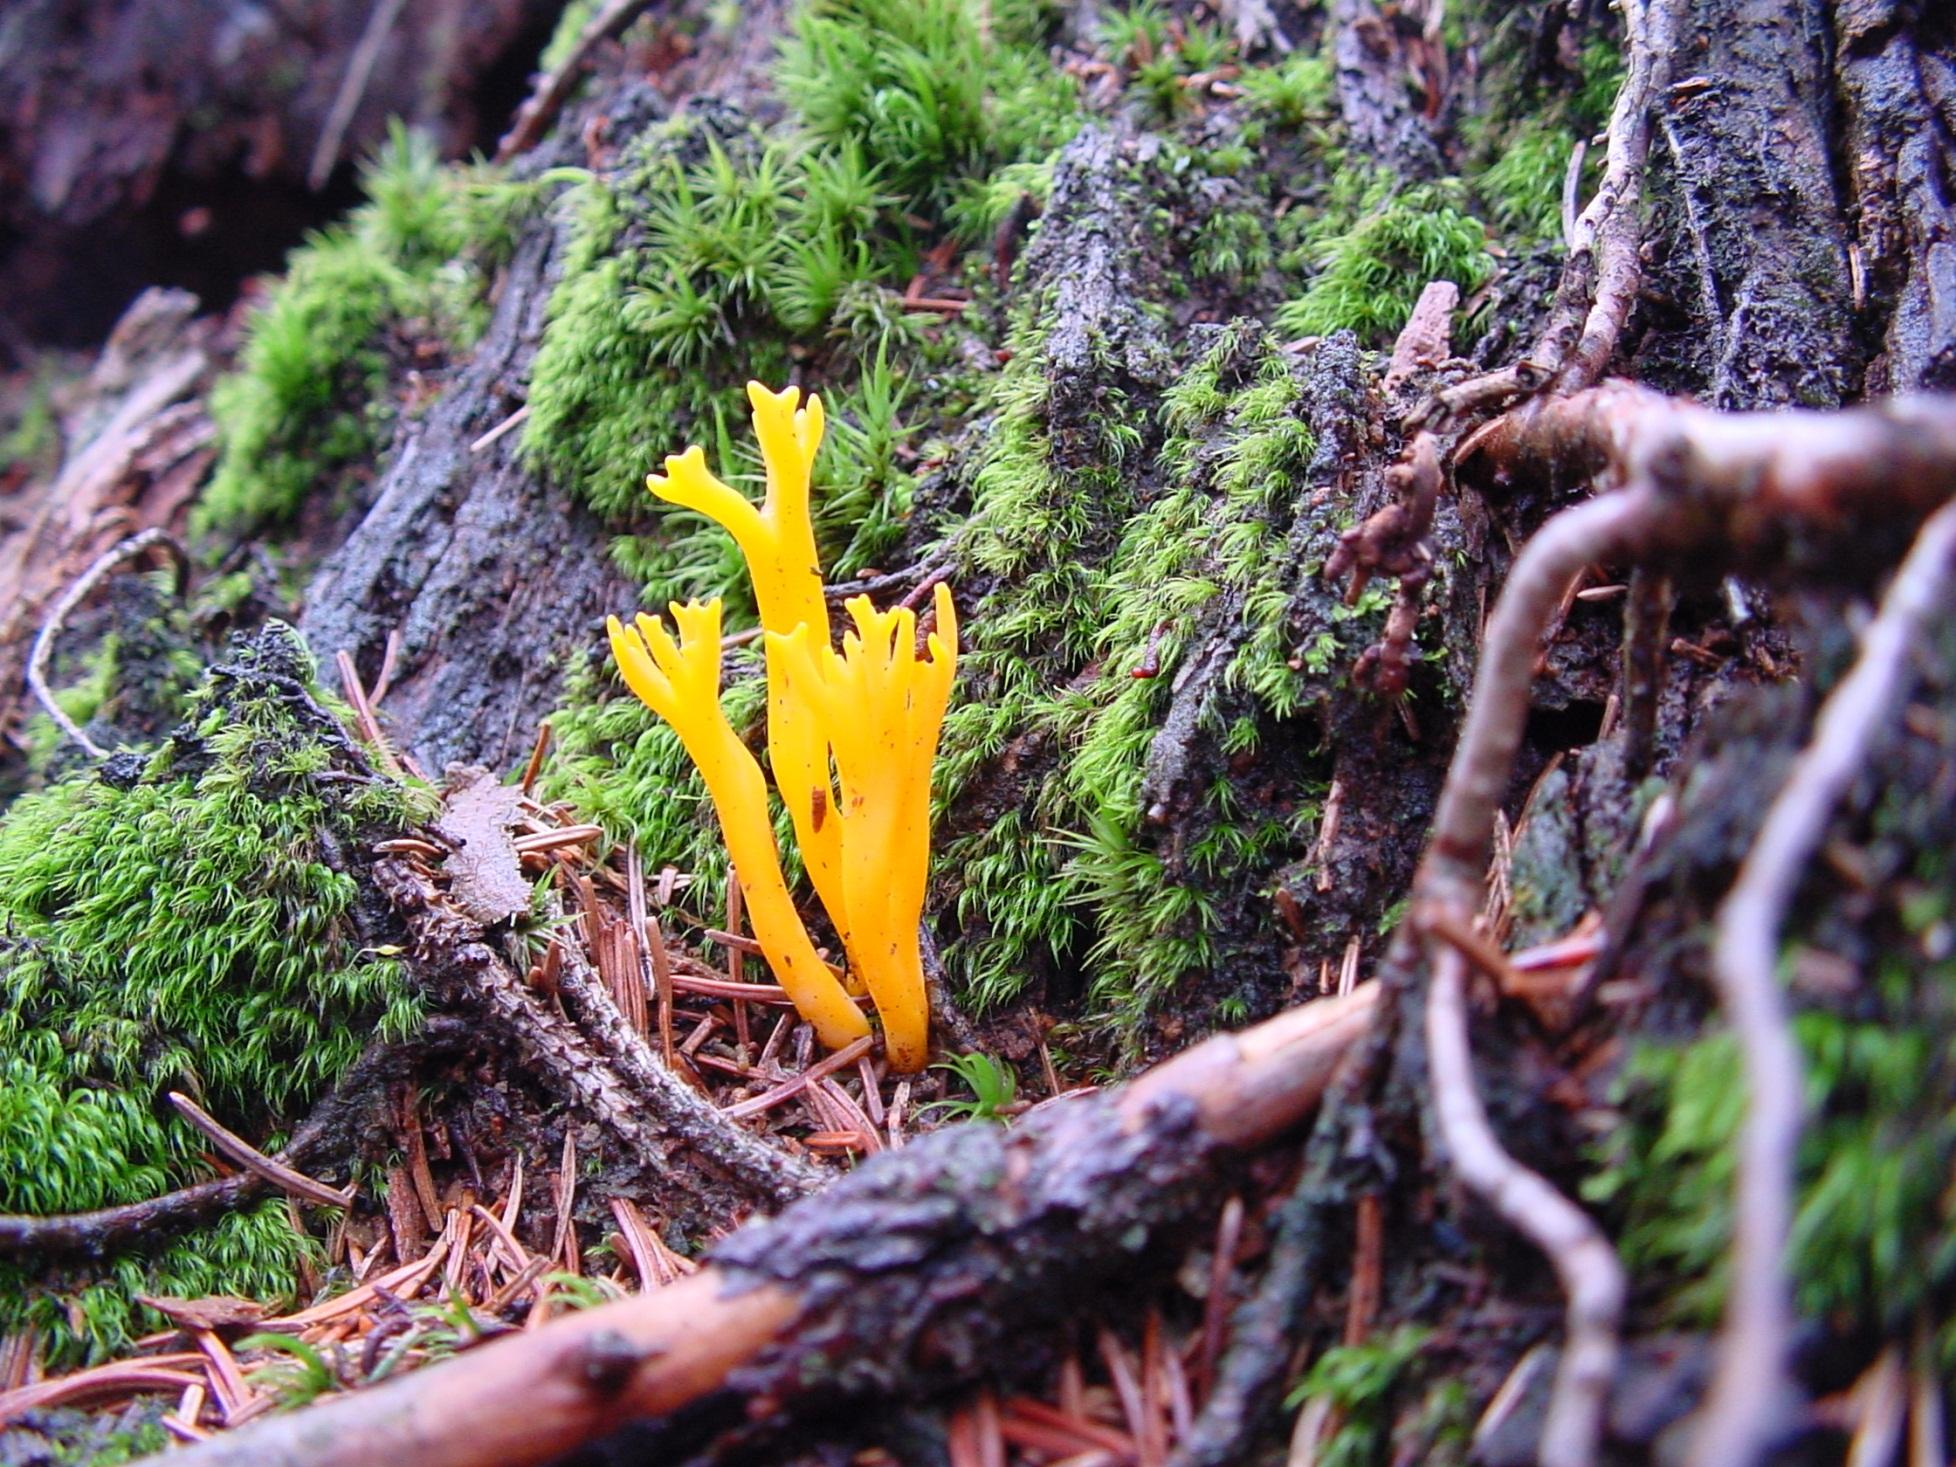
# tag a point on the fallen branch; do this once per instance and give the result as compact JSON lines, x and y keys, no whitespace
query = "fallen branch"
{"x":336,"y":1123}
{"x":707,"y":1168}
{"x":684,"y":1112}
{"x":1736,"y":1424}
{"x":908,"y":1276}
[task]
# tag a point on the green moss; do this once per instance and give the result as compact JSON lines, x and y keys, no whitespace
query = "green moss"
{"x":1294,"y":92}
{"x":1523,"y":186}
{"x":757,"y":243}
{"x":309,"y":399}
{"x":1601,"y":78}
{"x":933,"y":95}
{"x":575,"y":16}
{"x":1521,"y":140}
{"x":1874,"y":1232}
{"x":1374,"y":247}
{"x":30,"y":432}
{"x":1093,"y":591}
{"x":181,"y":927}
{"x":1359,"y":1381}
{"x":82,"y":1438}
{"x":715,"y":255}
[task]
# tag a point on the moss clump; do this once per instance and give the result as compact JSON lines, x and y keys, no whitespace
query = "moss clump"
{"x":1534,"y":111}
{"x":1360,"y":1382}
{"x":1072,"y":664}
{"x":1523,"y":187}
{"x":30,"y":430}
{"x":413,"y":262}
{"x":1874,"y":1234}
{"x":670,"y":260}
{"x":935,"y":97}
{"x":182,"y":923}
{"x":715,"y":254}
{"x":1293,"y":93}
{"x":79,"y":1438}
{"x":1159,"y":53}
{"x":1374,"y":247}
{"x":126,"y":679}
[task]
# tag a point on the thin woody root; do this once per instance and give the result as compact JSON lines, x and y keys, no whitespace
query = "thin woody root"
{"x":97,"y":572}
{"x":1694,"y":482}
{"x":1755,"y":1338}
{"x":1602,"y":272}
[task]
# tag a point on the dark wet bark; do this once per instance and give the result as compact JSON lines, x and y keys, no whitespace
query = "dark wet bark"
{"x":1747,"y":158}
{"x":150,"y":141}
{"x":488,"y":575}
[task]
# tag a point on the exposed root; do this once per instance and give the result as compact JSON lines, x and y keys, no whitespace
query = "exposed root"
{"x":97,"y":572}
{"x":1740,"y":482}
{"x":1602,"y":273}
{"x":1448,"y":883}
{"x":1615,"y":527}
{"x":1646,"y":617}
{"x":1725,"y":488}
{"x":1736,"y":1427}
{"x":1585,"y":1263}
{"x":1393,"y":542}
{"x":1603,"y":269}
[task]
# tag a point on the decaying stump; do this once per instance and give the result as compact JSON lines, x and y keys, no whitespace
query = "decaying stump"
{"x":1583,"y":557}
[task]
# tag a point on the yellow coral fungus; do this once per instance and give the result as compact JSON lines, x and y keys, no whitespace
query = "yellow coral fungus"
{"x":681,"y":683}
{"x":871,"y":714}
{"x":883,"y":709}
{"x":777,"y":539}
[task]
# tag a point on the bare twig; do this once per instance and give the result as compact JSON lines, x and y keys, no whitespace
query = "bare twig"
{"x":98,"y":570}
{"x":1736,"y":1426}
{"x":509,"y":424}
{"x":682,"y":1111}
{"x":552,"y":90}
{"x":353,"y":86}
{"x":707,"y":1168}
{"x":248,"y":1156}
